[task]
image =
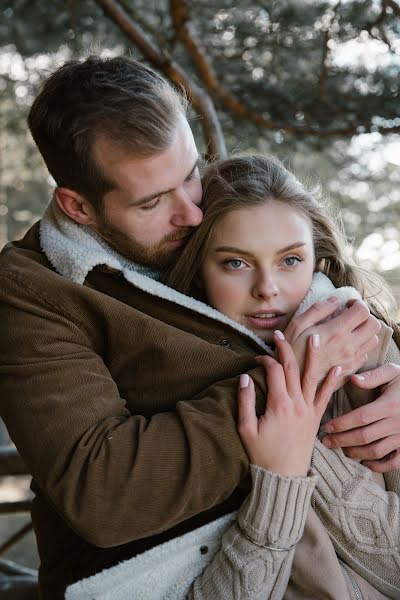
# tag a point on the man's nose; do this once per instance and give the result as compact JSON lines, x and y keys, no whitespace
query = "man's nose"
{"x":265,"y":286}
{"x":187,"y":212}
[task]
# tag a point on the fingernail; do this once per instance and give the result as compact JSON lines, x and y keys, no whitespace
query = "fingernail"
{"x":328,"y":428}
{"x":315,"y":340}
{"x":360,"y":377}
{"x":338,"y":371}
{"x":244,"y":381}
{"x":332,"y":299}
{"x":326,"y":442}
{"x":279,"y":335}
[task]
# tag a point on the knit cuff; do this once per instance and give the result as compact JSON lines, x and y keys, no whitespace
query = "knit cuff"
{"x":335,"y":469}
{"x":274,"y":513}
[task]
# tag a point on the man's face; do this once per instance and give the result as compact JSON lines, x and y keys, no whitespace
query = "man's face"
{"x":155,"y":201}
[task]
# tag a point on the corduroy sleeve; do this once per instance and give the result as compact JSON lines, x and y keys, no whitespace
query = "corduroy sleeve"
{"x":112,"y":476}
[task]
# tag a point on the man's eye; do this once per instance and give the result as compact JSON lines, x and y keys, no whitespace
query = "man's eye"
{"x":192,"y":175}
{"x":235,"y":263}
{"x":151,"y":204}
{"x":290,"y":261}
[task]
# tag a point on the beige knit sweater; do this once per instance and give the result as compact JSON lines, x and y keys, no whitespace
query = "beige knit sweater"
{"x":350,"y":545}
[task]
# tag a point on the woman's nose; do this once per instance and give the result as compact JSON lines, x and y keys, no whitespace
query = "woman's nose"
{"x":265,"y":286}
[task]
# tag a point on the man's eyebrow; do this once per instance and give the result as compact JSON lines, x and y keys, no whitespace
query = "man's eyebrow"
{"x":235,"y":250}
{"x":150,"y":197}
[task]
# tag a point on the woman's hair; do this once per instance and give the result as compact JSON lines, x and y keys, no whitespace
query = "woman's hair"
{"x":246,"y":181}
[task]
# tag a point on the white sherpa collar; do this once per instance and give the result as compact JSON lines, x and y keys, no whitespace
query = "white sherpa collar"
{"x":321,"y":289}
{"x":74,"y":250}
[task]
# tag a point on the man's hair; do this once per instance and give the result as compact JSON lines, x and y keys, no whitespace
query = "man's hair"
{"x":118,"y":99}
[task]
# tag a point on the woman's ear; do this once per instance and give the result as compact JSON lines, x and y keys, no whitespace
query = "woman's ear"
{"x":75,"y":206}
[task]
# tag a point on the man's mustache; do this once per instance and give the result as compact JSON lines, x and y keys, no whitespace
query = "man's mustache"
{"x":178,"y":235}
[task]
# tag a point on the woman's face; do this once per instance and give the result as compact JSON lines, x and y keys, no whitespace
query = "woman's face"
{"x":259,"y":266}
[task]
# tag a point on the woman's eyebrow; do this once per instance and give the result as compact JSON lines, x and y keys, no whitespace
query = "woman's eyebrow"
{"x":293,"y":246}
{"x":235,"y":250}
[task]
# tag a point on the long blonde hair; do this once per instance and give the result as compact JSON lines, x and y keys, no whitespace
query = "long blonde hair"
{"x":252,"y":180}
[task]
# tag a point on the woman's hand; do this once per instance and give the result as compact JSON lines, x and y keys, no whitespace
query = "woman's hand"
{"x":282,"y":439}
{"x":345,"y":339}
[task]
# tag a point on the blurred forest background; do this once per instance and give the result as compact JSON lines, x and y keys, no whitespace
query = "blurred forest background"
{"x":315,"y":83}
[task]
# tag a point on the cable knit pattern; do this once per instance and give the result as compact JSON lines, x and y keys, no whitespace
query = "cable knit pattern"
{"x":362,"y":520}
{"x":257,"y":552}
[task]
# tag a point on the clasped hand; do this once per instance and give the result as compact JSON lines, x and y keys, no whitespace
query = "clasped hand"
{"x":282,"y":439}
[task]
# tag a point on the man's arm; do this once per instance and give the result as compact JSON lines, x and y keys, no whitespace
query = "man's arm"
{"x":112,"y":475}
{"x":372,"y":432}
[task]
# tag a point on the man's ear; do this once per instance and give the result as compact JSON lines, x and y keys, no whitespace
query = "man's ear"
{"x":75,"y":206}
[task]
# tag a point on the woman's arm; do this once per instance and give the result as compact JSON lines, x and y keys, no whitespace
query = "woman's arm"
{"x":362,"y":519}
{"x":256,"y":555}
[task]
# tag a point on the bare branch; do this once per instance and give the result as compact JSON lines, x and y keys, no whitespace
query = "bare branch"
{"x":160,"y":59}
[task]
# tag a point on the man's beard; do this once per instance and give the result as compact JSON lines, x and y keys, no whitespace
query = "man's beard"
{"x":157,"y":257}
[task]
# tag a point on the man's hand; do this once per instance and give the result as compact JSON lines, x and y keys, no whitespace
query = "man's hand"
{"x":372,"y":432}
{"x":345,"y":339}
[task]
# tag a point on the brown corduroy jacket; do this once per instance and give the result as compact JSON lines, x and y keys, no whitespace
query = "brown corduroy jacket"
{"x":109,"y":393}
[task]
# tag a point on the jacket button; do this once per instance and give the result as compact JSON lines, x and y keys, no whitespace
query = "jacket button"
{"x":225,"y":343}
{"x":204,"y":550}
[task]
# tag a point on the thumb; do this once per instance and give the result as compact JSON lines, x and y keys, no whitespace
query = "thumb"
{"x":247,"y":418}
{"x":372,"y":379}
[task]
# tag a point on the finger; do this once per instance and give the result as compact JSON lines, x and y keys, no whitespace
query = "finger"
{"x":376,"y":377}
{"x":359,"y":417}
{"x":364,"y":435}
{"x":374,"y":451}
{"x":391,"y":462}
{"x":289,"y":365}
{"x":352,"y":318}
{"x":365,"y":334}
{"x":309,"y":382}
{"x":368,"y":346}
{"x":312,"y":316}
{"x":327,"y":389}
{"x":247,"y":418}
{"x":275,"y":378}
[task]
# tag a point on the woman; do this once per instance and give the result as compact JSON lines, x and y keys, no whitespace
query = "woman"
{"x":262,"y":239}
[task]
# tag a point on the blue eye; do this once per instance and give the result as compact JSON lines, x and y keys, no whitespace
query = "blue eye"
{"x":290,"y":261}
{"x":234,"y":263}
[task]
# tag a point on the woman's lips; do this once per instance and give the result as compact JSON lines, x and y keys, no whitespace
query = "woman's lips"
{"x":265,"y":321}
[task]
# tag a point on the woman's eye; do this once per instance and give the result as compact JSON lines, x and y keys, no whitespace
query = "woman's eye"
{"x":234,"y":263}
{"x":290,"y":261}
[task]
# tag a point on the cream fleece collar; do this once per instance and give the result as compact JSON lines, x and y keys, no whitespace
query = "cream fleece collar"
{"x":74,"y":250}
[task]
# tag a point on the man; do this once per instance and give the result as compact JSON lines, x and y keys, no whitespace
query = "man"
{"x":120,"y":393}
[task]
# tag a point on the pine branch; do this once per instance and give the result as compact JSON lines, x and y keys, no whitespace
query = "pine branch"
{"x":201,"y":100}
